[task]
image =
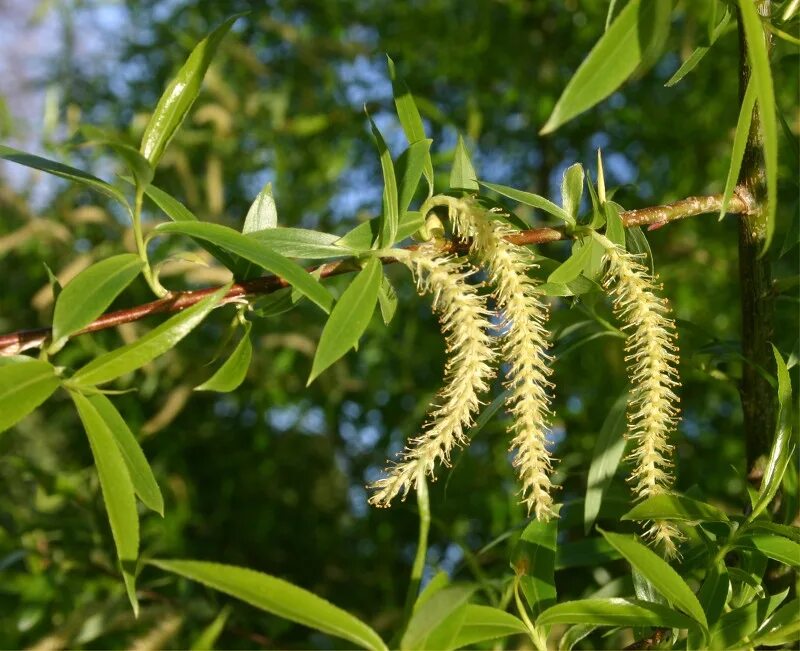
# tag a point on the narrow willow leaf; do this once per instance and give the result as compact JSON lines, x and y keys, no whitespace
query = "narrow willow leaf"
{"x":262,"y":213}
{"x":462,"y":174}
{"x":210,"y":634}
{"x":278,"y":597}
{"x":780,"y":549}
{"x":89,"y":294}
{"x":572,"y":190}
{"x":762,"y":78}
{"x":362,"y":236}
{"x":410,"y":166}
{"x":136,"y":354}
{"x":534,"y":560}
{"x":608,"y":450}
{"x":735,"y":627}
{"x":530,"y":199}
{"x":233,"y":372}
{"x":614,"y":612}
{"x":699,"y":52}
{"x":573,"y":635}
{"x":410,"y":119}
{"x":714,"y":592}
{"x":482,"y":623}
{"x":387,"y":300}
{"x":301,"y":243}
{"x":660,"y":574}
{"x":142,"y":478}
{"x":671,"y":506}
{"x":615,"y":230}
{"x":636,"y":242}
{"x":787,"y":531}
{"x":572,"y":267}
{"x":349,"y":318}
{"x":739,"y":144}
{"x":177,"y":212}
{"x":782,"y":627}
{"x":64,"y":171}
{"x":137,"y":164}
{"x":24,"y":385}
{"x":117,"y":489}
{"x":390,"y":214}
{"x":181,"y":93}
{"x":438,"y":608}
{"x":612,"y":60}
{"x":251,"y":249}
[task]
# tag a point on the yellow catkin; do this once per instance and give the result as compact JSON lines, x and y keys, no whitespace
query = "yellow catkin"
{"x":464,"y":319}
{"x":524,"y":345}
{"x":652,"y":359}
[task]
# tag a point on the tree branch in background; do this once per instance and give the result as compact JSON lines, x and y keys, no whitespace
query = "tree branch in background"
{"x":654,"y":217}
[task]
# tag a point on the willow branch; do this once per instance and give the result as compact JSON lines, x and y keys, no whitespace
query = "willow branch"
{"x":653,"y":217}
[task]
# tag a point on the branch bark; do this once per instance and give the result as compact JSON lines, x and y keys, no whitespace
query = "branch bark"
{"x":757,"y":305}
{"x":654,"y":217}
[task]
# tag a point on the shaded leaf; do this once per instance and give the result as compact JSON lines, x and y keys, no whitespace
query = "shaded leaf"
{"x":699,"y":52}
{"x":737,"y":625}
{"x":530,"y":199}
{"x":387,"y":300}
{"x":426,"y":620}
{"x":671,"y":506}
{"x":234,"y":370}
{"x":410,"y":167}
{"x":482,"y":623}
{"x":534,"y":561}
{"x":714,"y":592}
{"x":739,"y":144}
{"x":614,"y":612}
{"x":209,"y":635}
{"x":572,"y":191}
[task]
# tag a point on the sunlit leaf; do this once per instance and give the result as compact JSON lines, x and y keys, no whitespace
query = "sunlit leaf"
{"x":572,"y":190}
{"x":530,"y":199}
{"x":482,"y":623}
{"x":671,"y":506}
{"x":699,"y":52}
{"x":426,"y":620}
{"x":301,"y":243}
{"x":118,"y":362}
{"x":534,"y":560}
{"x":390,"y":214}
{"x":387,"y":300}
{"x":233,"y":372}
{"x":462,"y":174}
{"x":262,"y":213}
{"x":362,"y":236}
{"x":572,"y":267}
{"x":614,"y":612}
{"x":780,"y":549}
{"x":410,"y":167}
{"x":739,"y":144}
{"x":278,"y":597}
{"x":25,"y":383}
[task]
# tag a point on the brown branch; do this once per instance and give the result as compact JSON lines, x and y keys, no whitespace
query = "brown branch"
{"x":655,"y":216}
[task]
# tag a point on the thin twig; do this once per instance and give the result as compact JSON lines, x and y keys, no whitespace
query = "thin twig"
{"x":654,"y":217}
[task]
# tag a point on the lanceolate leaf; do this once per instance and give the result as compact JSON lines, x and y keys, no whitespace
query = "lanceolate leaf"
{"x":232,"y":373}
{"x":739,"y":143}
{"x":670,"y":506}
{"x":180,"y":95}
{"x":363,"y":235}
{"x":462,"y":174}
{"x":277,"y":597}
{"x":762,"y":78}
{"x":262,"y":213}
{"x":714,"y":592}
{"x":117,"y":488}
{"x":612,"y":60}
{"x":249,"y":248}
{"x":530,"y":199}
{"x":144,"y":482}
{"x":349,"y":318}
{"x":89,"y":294}
{"x":301,"y":243}
{"x":410,"y":166}
{"x":24,"y":385}
{"x":118,"y":362}
{"x":534,"y":559}
{"x":659,"y":573}
{"x":700,"y":52}
{"x":780,"y":549}
{"x":387,"y":299}
{"x":482,"y":623}
{"x":572,"y":191}
{"x":428,"y":620}
{"x":614,"y":612}
{"x":391,"y":210}
{"x":64,"y":171}
{"x":572,"y":267}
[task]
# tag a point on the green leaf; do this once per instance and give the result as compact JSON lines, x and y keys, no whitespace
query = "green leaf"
{"x":671,"y":506}
{"x":462,"y":174}
{"x":615,"y":230}
{"x":714,"y":592}
{"x":180,"y":94}
{"x":699,"y":52}
{"x":233,"y":372}
{"x":142,"y":478}
{"x":614,"y":612}
{"x":390,"y":215}
{"x":782,"y":627}
{"x":301,"y":243}
{"x":262,"y":213}
{"x":134,"y":161}
{"x":572,"y":267}
{"x":780,"y":549}
{"x":117,"y":489}
{"x":530,"y":199}
{"x":482,"y":623}
{"x":64,"y":171}
{"x":787,"y":531}
{"x":739,"y":144}
{"x":574,"y":634}
{"x":636,"y":243}
{"x":659,"y":573}
{"x":349,"y":318}
{"x":534,"y":560}
{"x":177,"y":212}
{"x":734,"y":627}
{"x":118,"y":362}
{"x":277,"y":597}
{"x":572,"y":191}
{"x":410,"y":119}
{"x":586,"y":552}
{"x":410,"y":166}
{"x":425,"y":621}
{"x":209,"y":635}
{"x":90,"y":293}
{"x":250,"y":248}
{"x":608,"y":450}
{"x":612,"y":60}
{"x":762,"y":78}
{"x":362,"y":236}
{"x":24,"y":385}
{"x":387,"y":300}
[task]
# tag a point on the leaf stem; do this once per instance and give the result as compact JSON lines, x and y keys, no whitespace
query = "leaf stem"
{"x":417,"y":569}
